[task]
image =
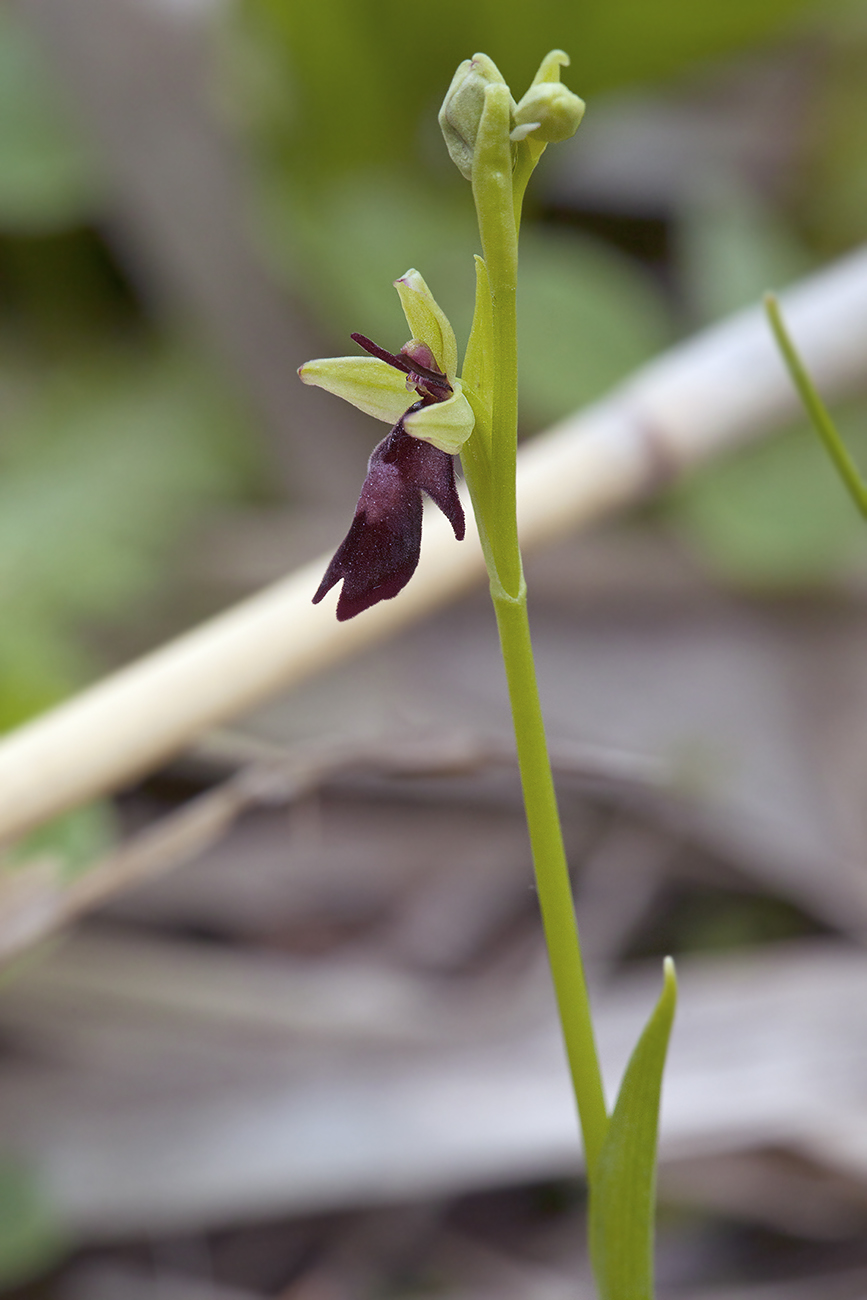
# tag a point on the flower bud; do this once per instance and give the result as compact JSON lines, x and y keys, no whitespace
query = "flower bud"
{"x":549,"y":111}
{"x":462,"y":109}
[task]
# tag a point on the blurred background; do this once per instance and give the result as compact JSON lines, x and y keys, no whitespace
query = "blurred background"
{"x":319,"y":1060}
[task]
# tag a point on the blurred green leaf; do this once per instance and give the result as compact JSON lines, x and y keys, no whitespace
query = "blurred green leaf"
{"x":98,"y":475}
{"x":359,"y":234}
{"x":623,"y":1189}
{"x":588,"y":315}
{"x":74,"y":841}
{"x":775,"y":515}
{"x":731,"y":250}
{"x":47,"y":179}
{"x":39,"y":664}
{"x":360,"y":88}
{"x":832,"y":197}
{"x":31,"y":1241}
{"x":89,"y":483}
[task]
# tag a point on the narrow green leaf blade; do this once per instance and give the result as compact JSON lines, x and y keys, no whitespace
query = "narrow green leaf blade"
{"x":816,"y":409}
{"x":623,"y":1193}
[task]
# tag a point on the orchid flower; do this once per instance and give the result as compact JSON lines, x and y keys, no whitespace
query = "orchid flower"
{"x":417,"y":392}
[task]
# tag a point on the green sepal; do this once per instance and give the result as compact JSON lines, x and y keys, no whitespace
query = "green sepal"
{"x":427,"y":320}
{"x":463,"y":107}
{"x":366,"y":382}
{"x":446,"y":425}
{"x":494,"y":158}
{"x":623,"y":1185}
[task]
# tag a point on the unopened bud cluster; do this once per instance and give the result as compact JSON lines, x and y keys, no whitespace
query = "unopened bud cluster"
{"x":547,"y":114}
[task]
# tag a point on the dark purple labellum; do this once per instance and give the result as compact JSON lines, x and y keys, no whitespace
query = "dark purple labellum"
{"x":380,"y":552}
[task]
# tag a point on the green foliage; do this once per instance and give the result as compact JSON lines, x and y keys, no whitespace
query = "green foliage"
{"x":342,"y":249}
{"x":772,"y":515}
{"x":359,"y":88}
{"x":46,"y":177}
{"x":31,"y":1241}
{"x":98,"y":474}
{"x":834,"y":445}
{"x":588,"y":316}
{"x":833,"y":193}
{"x":731,"y":249}
{"x":73,"y":841}
{"x":623,"y":1189}
{"x":775,"y":515}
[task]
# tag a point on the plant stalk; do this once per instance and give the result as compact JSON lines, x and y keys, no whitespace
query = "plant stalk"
{"x":498,"y":215}
{"x":552,"y":873}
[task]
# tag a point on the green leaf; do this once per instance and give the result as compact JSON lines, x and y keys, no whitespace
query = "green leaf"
{"x":360,"y":89}
{"x":731,"y":248}
{"x":343,"y":247}
{"x":100,"y":470}
{"x":31,"y":1241}
{"x":817,"y":411}
{"x":588,"y":316}
{"x":623,"y":1191}
{"x":74,"y":841}
{"x":773,"y":516}
{"x":832,"y":187}
{"x":93,"y":476}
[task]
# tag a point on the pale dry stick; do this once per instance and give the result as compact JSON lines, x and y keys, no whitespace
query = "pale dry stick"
{"x":726,"y":385}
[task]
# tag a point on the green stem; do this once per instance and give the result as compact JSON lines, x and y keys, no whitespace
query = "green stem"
{"x":492,"y":191}
{"x":525,"y":165}
{"x":552,"y":873}
{"x":498,"y":214}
